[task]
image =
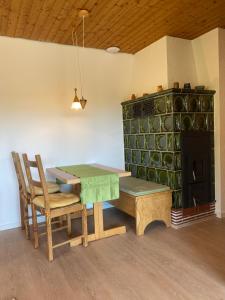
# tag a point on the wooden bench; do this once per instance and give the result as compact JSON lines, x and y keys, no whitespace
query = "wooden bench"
{"x":145,"y":201}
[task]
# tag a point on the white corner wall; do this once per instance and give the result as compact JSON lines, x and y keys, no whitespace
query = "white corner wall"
{"x":221,"y":121}
{"x":150,"y":68}
{"x":36,"y":91}
{"x":180,"y":62}
{"x":206,"y":57}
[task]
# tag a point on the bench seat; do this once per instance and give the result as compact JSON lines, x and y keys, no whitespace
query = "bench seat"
{"x":145,"y":201}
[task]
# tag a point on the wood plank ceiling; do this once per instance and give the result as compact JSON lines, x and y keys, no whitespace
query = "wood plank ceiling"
{"x":129,"y":24}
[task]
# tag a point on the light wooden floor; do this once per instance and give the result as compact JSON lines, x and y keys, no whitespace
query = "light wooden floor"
{"x":164,"y":264}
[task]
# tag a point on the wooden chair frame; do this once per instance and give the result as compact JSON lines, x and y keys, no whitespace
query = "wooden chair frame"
{"x":24,"y":196}
{"x":47,"y":211}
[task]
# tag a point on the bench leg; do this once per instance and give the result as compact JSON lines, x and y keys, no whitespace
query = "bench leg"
{"x":167,"y":221}
{"x":141,"y":224}
{"x":149,"y":211}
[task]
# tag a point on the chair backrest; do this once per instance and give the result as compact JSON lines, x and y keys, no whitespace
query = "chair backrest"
{"x":19,"y":174}
{"x":37,"y":164}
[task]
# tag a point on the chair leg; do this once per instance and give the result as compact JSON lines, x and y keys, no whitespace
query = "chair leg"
{"x":22,"y":212}
{"x":69,"y":225}
{"x":49,"y":238}
{"x":26,"y":222}
{"x":84,"y":226}
{"x":35,"y":226}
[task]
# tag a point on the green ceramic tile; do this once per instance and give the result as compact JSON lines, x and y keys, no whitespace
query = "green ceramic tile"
{"x":207,"y":103}
{"x":130,"y":112}
{"x":124,"y":110}
{"x":136,"y":156}
{"x":178,"y":180}
{"x":151,"y":174}
{"x":135,"y":127}
{"x":160,"y":105}
{"x":140,"y":141}
{"x":177,"y":157}
{"x":194,"y":103}
{"x":125,"y":139}
{"x":129,"y":140}
{"x":168,"y":160}
{"x":127,"y":167}
{"x":160,"y":141}
{"x":127,"y":153}
{"x":155,"y":159}
{"x":175,"y":180}
{"x":132,"y":141}
{"x":138,"y":109}
{"x":177,"y":141}
{"x":149,"y":141}
{"x":187,"y":122}
{"x":170,"y":141}
{"x":141,"y":172}
{"x":126,"y":127}
{"x":144,"y":125}
{"x":200,"y":122}
{"x":145,"y":158}
{"x":177,"y":122}
{"x":171,"y":179}
{"x":179,"y":104}
{"x":154,"y":122}
{"x":169,"y":103}
{"x":177,"y":199}
{"x":161,"y":176}
{"x":167,"y":123}
{"x":133,"y":170}
{"x":210,"y":122}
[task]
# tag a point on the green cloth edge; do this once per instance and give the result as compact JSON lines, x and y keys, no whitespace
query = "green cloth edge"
{"x":97,"y":184}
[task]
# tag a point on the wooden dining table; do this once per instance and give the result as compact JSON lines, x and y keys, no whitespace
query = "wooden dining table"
{"x":99,"y":231}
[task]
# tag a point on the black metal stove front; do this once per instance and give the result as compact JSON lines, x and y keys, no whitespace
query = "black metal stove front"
{"x":196,"y":167}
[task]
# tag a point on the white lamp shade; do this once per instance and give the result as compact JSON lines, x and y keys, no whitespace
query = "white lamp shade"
{"x":76,"y":105}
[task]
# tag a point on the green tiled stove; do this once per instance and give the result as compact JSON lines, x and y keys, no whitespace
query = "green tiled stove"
{"x":155,"y":128}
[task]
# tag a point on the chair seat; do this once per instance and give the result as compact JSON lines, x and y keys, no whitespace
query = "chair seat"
{"x":57,"y":200}
{"x":52,"y":188}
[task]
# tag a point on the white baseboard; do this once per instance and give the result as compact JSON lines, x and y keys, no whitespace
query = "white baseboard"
{"x":9,"y":226}
{"x":14,"y":225}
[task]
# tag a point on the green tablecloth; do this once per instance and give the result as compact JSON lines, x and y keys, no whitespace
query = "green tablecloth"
{"x":96,"y":184}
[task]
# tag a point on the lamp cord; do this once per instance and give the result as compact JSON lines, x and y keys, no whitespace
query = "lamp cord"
{"x":77,"y":60}
{"x":83,"y":55}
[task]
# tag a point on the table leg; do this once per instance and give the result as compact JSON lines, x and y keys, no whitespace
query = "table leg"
{"x":98,"y":219}
{"x":99,"y":232}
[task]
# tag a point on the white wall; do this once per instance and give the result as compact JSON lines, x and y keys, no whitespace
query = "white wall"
{"x":220,"y":112}
{"x":206,"y":57}
{"x":180,"y":62}
{"x":36,"y":91}
{"x":150,"y":68}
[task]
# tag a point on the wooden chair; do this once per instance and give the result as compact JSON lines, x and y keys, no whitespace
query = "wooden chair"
{"x":52,"y":206}
{"x":25,"y":194}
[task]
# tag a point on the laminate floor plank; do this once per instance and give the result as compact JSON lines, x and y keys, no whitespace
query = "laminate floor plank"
{"x":164,"y":264}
